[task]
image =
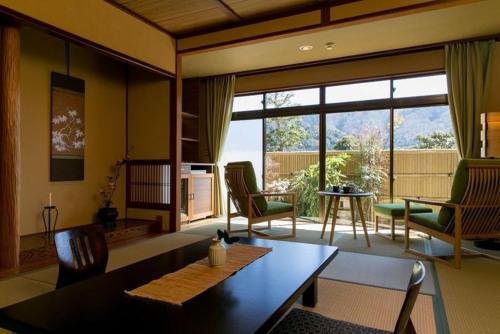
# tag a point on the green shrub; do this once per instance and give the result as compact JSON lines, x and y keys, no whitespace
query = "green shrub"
{"x":306,"y":184}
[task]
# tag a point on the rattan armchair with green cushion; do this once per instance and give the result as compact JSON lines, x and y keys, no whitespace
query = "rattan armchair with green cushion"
{"x":252,"y":203}
{"x":393,"y":212}
{"x":473,"y":211}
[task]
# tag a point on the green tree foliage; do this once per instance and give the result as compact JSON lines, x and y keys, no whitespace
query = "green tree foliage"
{"x":346,"y":143}
{"x":279,"y":100}
{"x":284,"y":133}
{"x":371,"y":162}
{"x":306,"y":184}
{"x":437,"y":139}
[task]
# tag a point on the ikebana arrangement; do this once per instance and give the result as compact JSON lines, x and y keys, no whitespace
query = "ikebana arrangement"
{"x":217,"y":251}
{"x":223,"y":235}
{"x":107,"y":214}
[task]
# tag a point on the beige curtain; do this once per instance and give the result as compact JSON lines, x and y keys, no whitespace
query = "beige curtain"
{"x":467,"y":70}
{"x":219,"y":104}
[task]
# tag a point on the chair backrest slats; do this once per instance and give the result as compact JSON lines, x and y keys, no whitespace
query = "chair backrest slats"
{"x":238,"y":189}
{"x":404,"y":324}
{"x":82,"y":253}
{"x":480,"y":202}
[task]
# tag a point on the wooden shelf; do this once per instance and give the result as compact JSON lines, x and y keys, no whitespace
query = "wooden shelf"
{"x":192,"y":140}
{"x":189,"y":115}
{"x":193,"y":109}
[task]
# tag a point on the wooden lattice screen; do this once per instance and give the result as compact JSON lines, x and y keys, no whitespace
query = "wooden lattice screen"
{"x":148,"y":184}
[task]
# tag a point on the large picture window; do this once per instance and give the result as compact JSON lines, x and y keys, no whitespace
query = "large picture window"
{"x":392,"y":137}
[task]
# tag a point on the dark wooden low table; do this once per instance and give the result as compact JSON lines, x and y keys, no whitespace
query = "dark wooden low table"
{"x":250,"y":301}
{"x":336,"y":196}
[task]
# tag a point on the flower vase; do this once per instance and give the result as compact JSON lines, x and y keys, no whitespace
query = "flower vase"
{"x":107,"y":216}
{"x":216,"y":253}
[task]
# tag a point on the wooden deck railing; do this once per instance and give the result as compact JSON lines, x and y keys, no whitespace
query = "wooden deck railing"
{"x":427,"y":173}
{"x":148,"y":184}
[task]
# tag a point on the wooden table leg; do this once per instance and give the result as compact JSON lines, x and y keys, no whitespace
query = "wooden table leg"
{"x":351,"y":204}
{"x":362,"y":217}
{"x":330,"y":200}
{"x":310,"y":296}
{"x":334,"y":218}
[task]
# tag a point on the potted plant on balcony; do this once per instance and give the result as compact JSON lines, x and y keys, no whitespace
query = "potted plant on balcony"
{"x":107,"y":214}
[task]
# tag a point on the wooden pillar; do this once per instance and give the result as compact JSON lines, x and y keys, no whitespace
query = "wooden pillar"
{"x":175,"y":147}
{"x":10,"y":149}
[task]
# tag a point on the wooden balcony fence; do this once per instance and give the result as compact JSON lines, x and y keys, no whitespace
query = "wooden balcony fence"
{"x":425,"y":173}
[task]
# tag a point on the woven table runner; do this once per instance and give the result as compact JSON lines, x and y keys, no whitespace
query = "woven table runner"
{"x":188,"y":282}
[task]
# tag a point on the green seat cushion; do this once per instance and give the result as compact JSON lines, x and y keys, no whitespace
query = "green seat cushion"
{"x":427,"y":219}
{"x":274,"y":207}
{"x":398,"y":209}
{"x":251,"y":182}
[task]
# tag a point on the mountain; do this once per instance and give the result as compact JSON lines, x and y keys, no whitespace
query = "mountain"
{"x":409,"y":123}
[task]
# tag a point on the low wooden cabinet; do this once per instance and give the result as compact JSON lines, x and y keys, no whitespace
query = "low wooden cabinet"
{"x":197,"y":196}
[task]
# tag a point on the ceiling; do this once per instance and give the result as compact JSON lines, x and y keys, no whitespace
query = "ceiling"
{"x":464,"y":21}
{"x":181,"y":17}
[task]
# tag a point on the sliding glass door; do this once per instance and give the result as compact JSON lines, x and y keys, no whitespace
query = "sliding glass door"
{"x":425,"y":156}
{"x":244,"y":143}
{"x":392,"y":137}
{"x":292,"y":160}
{"x":357,"y":152}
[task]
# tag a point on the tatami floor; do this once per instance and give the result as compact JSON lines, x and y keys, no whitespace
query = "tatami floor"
{"x":351,"y":288}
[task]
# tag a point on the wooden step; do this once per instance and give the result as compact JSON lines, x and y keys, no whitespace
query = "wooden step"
{"x":38,"y":250}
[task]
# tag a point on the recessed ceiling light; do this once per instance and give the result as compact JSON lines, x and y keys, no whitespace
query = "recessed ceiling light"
{"x":305,"y":47}
{"x":329,"y":45}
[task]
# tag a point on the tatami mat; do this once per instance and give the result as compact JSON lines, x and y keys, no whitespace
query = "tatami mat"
{"x":343,"y":238}
{"x":123,"y":256}
{"x":471,"y":295}
{"x":18,"y":289}
{"x":378,"y":271}
{"x":371,"y":306}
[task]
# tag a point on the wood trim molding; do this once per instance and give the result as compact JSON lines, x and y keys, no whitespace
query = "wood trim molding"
{"x":24,"y":19}
{"x":322,"y":25}
{"x":175,"y":148}
{"x":325,"y":15}
{"x":127,"y":167}
{"x":10,"y":146}
{"x":371,"y":55}
{"x":149,"y":162}
{"x":228,"y":11}
{"x":406,"y":102}
{"x":277,"y":15}
{"x":342,"y":81}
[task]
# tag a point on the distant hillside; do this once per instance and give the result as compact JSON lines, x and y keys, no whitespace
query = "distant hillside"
{"x":409,"y":124}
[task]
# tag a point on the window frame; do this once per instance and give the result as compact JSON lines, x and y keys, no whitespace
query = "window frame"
{"x":323,"y":108}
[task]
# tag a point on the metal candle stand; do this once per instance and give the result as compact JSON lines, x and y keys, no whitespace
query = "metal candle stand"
{"x":46,"y":212}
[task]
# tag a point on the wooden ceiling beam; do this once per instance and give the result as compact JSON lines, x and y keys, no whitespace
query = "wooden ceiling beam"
{"x":318,"y":5}
{"x":230,"y":13}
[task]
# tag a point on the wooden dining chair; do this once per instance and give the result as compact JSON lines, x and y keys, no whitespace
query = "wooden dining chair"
{"x":82,"y":253}
{"x":301,"y":321}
